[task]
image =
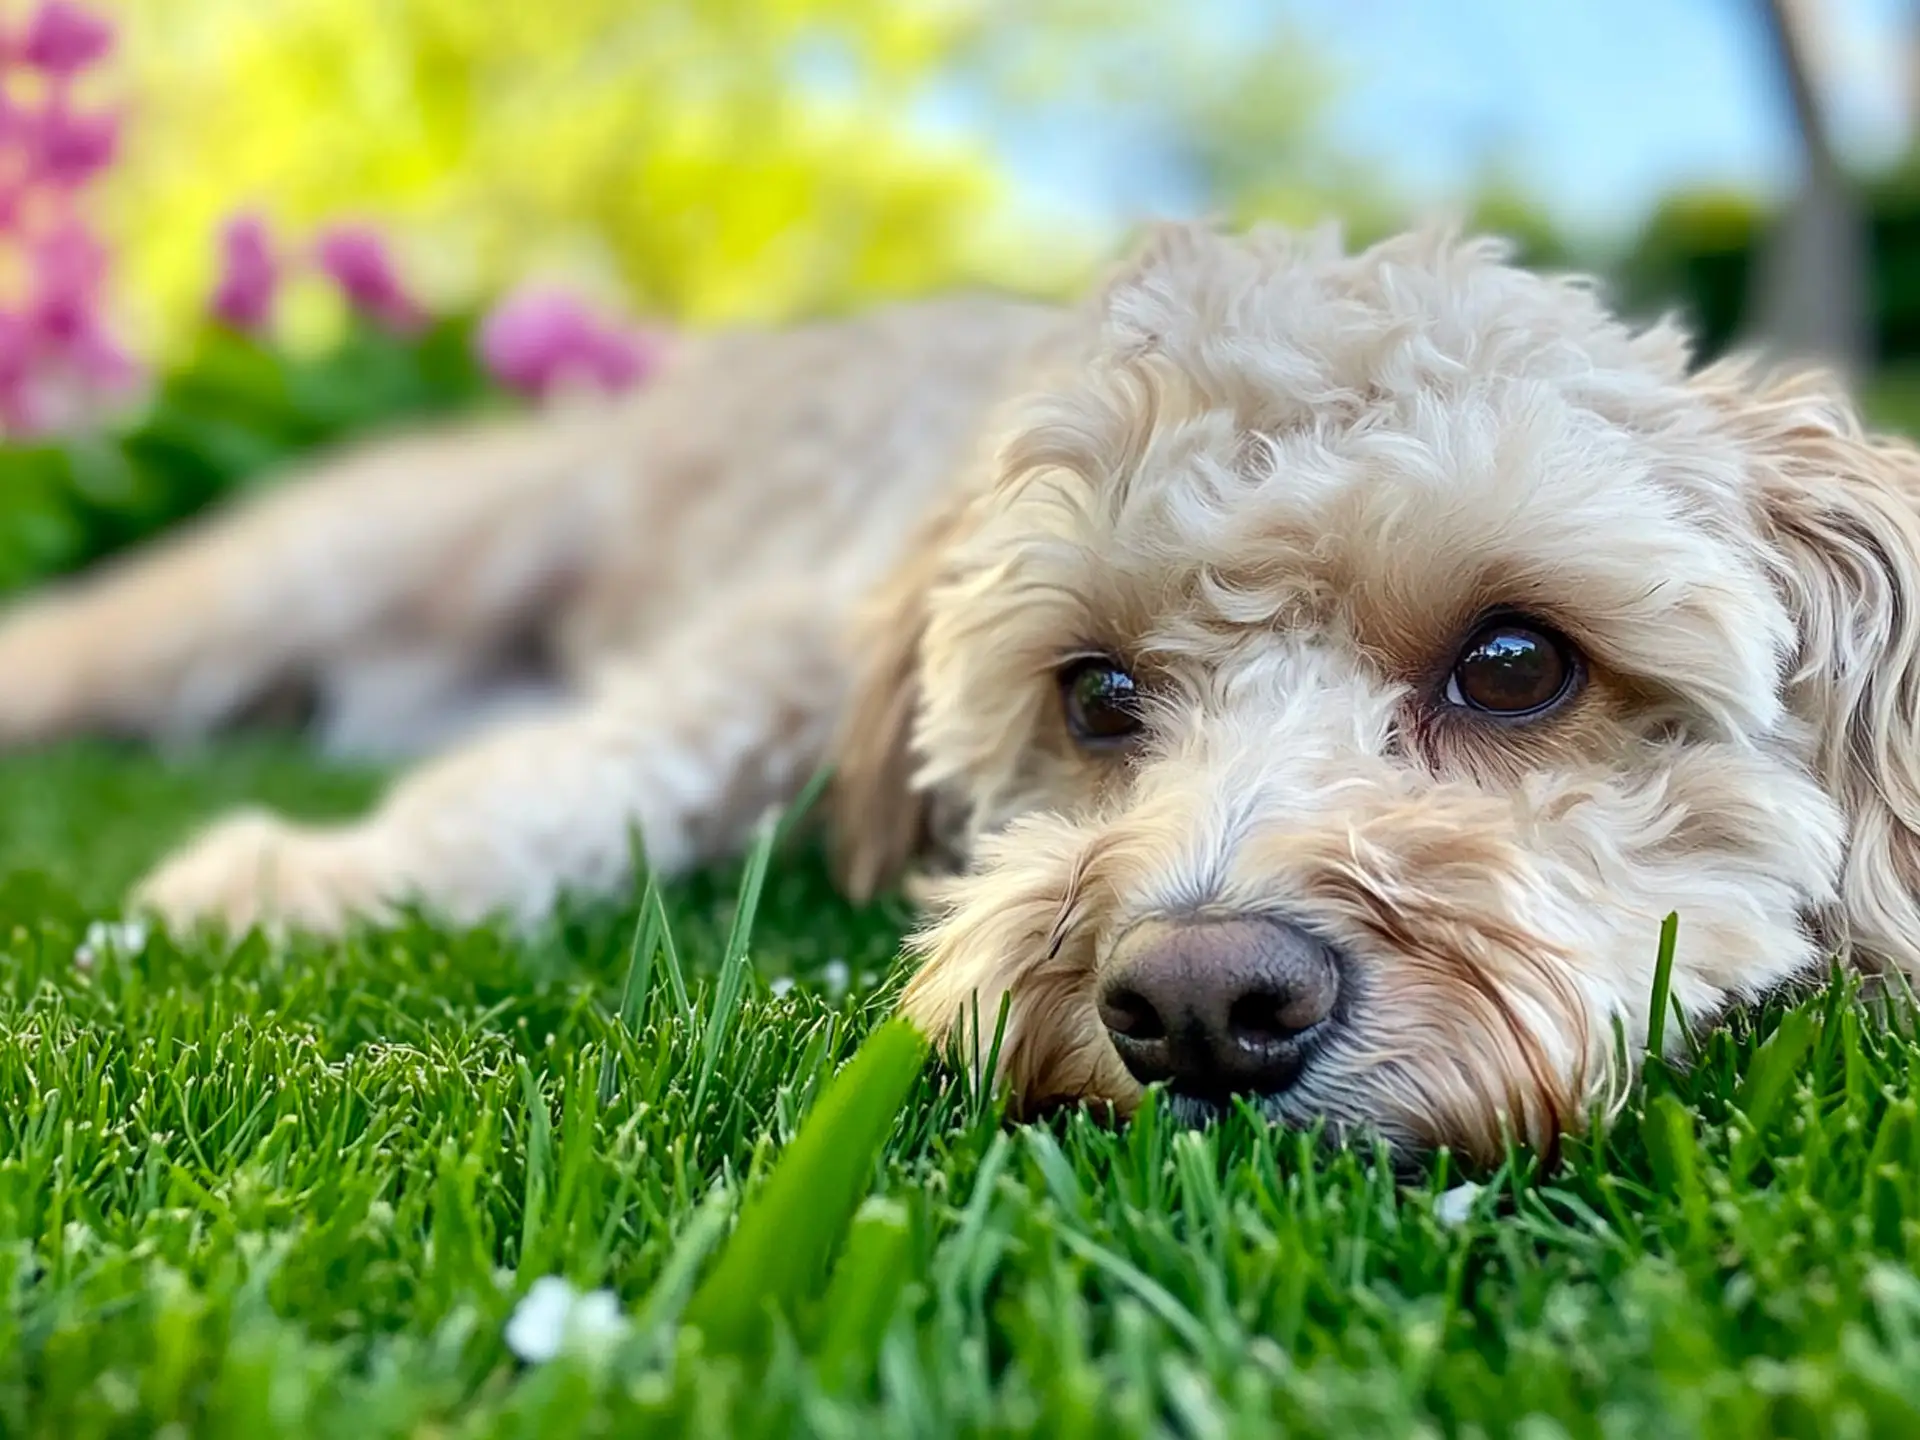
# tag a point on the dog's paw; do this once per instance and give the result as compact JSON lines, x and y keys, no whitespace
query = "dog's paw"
{"x":256,"y":869}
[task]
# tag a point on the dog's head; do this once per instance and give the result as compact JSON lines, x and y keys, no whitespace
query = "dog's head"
{"x":1345,"y":672}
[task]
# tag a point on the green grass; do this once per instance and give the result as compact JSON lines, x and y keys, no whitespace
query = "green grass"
{"x":299,"y":1191}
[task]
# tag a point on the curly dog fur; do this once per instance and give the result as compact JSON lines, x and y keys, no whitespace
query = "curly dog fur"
{"x":1273,"y":487}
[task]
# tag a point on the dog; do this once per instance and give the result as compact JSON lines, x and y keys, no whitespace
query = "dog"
{"x":1311,"y":675}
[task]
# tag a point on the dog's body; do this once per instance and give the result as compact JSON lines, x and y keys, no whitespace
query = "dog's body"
{"x":624,"y":614}
{"x":1332,"y":669}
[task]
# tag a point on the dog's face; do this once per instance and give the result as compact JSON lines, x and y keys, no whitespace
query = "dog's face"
{"x":1348,"y":670}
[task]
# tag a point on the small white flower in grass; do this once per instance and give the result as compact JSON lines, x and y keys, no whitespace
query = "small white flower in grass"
{"x":1452,"y":1207}
{"x":553,"y":1318}
{"x":104,"y":937}
{"x":780,"y":985}
{"x":835,"y":977}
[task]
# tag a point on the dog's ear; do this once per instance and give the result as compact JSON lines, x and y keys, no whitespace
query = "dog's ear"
{"x":879,"y":820}
{"x":1841,"y":509}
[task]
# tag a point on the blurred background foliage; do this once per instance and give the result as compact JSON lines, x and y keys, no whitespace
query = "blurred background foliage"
{"x":711,"y":161}
{"x":698,"y":161}
{"x":230,"y":416}
{"x":719,"y":159}
{"x":1700,"y":249}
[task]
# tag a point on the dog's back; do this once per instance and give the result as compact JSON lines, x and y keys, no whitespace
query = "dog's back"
{"x":412,"y":586}
{"x":808,"y":454}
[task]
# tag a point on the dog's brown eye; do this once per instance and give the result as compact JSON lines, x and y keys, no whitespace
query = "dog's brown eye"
{"x":1511,"y":669}
{"x":1101,"y":701}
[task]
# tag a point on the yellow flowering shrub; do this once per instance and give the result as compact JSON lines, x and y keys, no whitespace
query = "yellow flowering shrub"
{"x":713,"y":159}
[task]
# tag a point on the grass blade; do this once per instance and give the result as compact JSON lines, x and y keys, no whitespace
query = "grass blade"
{"x":802,"y":805}
{"x":1774,"y":1069}
{"x":1148,"y":1291}
{"x":864,"y":1293}
{"x":670,"y":958}
{"x":1662,"y":986}
{"x":539,"y":1160}
{"x":640,"y":957}
{"x":732,"y":981}
{"x":789,"y":1229}
{"x":668,"y":1297}
{"x":652,"y":939}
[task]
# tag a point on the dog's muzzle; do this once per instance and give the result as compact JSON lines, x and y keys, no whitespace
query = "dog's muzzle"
{"x":1219,"y":1007}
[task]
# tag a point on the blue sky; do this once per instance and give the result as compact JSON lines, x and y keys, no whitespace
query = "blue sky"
{"x":1597,"y":106}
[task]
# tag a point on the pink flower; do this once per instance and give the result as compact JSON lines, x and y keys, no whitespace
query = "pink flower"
{"x":58,"y":359}
{"x":249,"y":274}
{"x":619,"y":359}
{"x":356,"y":259}
{"x":16,"y":120}
{"x":99,"y":362}
{"x":70,"y":148}
{"x":20,"y":410}
{"x":535,"y":340}
{"x":54,"y":379}
{"x":68,"y":268}
{"x":63,"y":38}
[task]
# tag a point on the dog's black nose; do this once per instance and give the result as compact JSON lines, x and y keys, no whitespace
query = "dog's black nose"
{"x":1219,"y":1007}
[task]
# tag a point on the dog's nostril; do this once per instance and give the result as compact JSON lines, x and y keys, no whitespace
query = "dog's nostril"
{"x":1129,"y":1013}
{"x":1255,"y":1020}
{"x":1267,"y":1017}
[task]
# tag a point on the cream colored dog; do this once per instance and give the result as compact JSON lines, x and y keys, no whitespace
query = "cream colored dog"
{"x":1331,"y":668}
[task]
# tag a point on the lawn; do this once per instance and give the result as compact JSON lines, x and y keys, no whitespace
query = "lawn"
{"x":289,"y":1190}
{"x":300,"y":1191}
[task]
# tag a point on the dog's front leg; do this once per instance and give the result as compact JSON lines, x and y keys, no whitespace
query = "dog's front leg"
{"x":689,"y":745}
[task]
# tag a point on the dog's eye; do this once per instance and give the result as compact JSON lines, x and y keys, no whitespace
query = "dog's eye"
{"x":1512,"y":669}
{"x":1101,"y":701}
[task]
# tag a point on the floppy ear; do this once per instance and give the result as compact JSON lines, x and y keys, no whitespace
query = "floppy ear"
{"x":1842,"y":510}
{"x":879,"y":819}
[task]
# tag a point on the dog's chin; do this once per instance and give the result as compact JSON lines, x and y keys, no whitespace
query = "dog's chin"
{"x":1285,"y":1109}
{"x":1326,"y":1097}
{"x":1326,"y":1132}
{"x":1195,"y":1112}
{"x":1280,"y":1106}
{"x":1410,"y":1159}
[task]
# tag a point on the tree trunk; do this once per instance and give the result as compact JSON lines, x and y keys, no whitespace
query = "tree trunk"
{"x":1810,"y":297}
{"x":1910,"y":56}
